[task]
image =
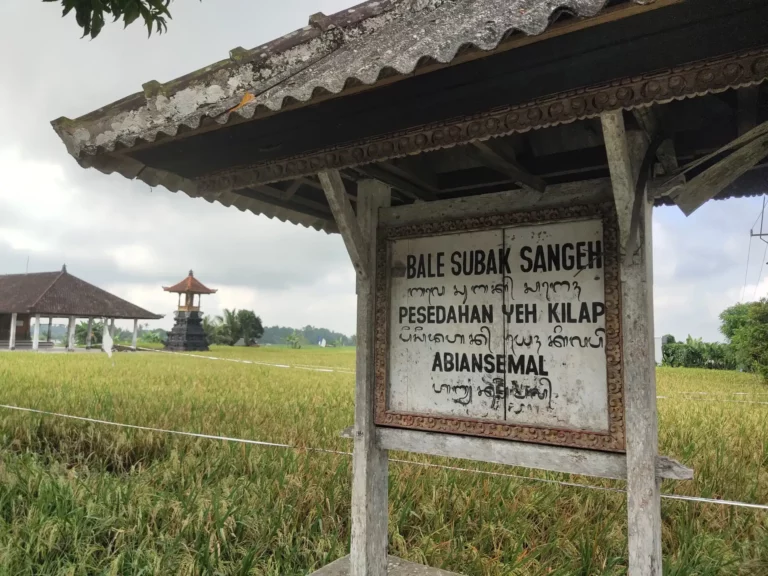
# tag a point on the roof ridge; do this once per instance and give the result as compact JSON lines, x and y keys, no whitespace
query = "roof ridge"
{"x":44,"y":292}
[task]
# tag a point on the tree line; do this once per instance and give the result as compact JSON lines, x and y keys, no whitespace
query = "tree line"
{"x":745,"y":327}
{"x":235,"y":325}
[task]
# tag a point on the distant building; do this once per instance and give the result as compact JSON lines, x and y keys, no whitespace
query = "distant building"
{"x":25,"y":298}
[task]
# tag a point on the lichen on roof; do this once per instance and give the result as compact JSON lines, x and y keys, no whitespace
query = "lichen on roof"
{"x":357,"y":46}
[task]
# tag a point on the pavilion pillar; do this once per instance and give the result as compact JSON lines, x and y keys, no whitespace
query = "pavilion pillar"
{"x":625,"y":153}
{"x":12,"y":335}
{"x":370,"y":463}
{"x":134,"y":340}
{"x":36,"y":334}
{"x":71,"y":334}
{"x":112,"y":328}
{"x":50,"y":322}
{"x":89,"y":334}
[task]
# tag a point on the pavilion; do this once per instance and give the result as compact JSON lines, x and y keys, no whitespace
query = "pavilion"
{"x":406,"y":114}
{"x":25,"y":298}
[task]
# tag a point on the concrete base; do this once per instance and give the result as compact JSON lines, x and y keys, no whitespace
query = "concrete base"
{"x":397,"y":567}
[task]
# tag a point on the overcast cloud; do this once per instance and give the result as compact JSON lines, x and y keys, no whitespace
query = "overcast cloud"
{"x":131,"y":239}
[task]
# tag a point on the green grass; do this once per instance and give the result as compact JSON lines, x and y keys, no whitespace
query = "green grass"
{"x":77,"y":498}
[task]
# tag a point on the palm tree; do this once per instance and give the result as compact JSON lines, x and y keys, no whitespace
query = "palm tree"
{"x":212,"y":326}
{"x":230,"y":327}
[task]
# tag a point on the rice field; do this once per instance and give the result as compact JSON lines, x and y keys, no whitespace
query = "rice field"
{"x":79,"y":498}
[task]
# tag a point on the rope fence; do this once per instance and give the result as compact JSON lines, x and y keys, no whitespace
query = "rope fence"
{"x":346,"y":371}
{"x":394,"y":460}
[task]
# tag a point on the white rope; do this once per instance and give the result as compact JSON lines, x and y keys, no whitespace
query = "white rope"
{"x":254,"y":362}
{"x":395,"y":460}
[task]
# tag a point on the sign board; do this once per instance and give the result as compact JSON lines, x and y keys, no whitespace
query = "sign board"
{"x":506,"y":327}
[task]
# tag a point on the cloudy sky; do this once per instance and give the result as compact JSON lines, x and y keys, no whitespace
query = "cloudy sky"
{"x":131,"y":239}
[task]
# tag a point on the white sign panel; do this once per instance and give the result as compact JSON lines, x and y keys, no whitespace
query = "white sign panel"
{"x":502,"y":331}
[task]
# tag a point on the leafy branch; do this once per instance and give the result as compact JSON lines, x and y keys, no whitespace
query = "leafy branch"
{"x":90,"y":14}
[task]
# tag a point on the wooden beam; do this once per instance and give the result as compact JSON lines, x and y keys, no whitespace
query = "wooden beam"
{"x":294,"y":187}
{"x":584,"y":192}
{"x":665,"y":154}
{"x":622,"y":175}
{"x":484,"y":153}
{"x":625,"y":155}
{"x":413,"y":191}
{"x":414,"y":169}
{"x":713,"y":180}
{"x":356,"y":243}
{"x":537,"y":456}
{"x":370,"y":472}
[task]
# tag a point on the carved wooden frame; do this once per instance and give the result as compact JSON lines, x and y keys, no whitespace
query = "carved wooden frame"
{"x":613,"y":440}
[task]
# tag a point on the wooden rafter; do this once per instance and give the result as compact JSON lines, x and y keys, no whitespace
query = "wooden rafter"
{"x":665,"y":153}
{"x":735,"y":159}
{"x":382,"y":172}
{"x":484,"y":153}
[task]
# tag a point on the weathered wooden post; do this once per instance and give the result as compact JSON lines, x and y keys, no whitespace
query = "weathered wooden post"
{"x":625,"y":156}
{"x":368,"y":556}
{"x":12,"y":335}
{"x":36,"y":334}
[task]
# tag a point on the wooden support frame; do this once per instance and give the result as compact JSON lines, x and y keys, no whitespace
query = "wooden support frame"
{"x":538,"y":457}
{"x":368,"y":556}
{"x":744,"y":153}
{"x":485,"y":153}
{"x":357,"y":245}
{"x":625,"y":155}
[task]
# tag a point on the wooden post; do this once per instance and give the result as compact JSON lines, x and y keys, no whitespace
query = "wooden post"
{"x":36,"y":334}
{"x":71,"y":334}
{"x":50,"y":321}
{"x":370,"y":466}
{"x":134,"y":340}
{"x":89,"y":335}
{"x":643,"y":485}
{"x":12,"y":338}
{"x":112,"y":328}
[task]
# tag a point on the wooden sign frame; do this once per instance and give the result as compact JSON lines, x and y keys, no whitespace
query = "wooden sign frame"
{"x":613,"y":440}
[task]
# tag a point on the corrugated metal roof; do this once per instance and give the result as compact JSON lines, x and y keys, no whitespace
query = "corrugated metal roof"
{"x":358,"y":46}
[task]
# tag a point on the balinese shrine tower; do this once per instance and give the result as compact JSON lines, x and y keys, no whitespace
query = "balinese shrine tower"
{"x":188,"y":333}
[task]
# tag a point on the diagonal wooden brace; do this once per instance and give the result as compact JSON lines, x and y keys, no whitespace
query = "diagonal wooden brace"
{"x":345,"y":218}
